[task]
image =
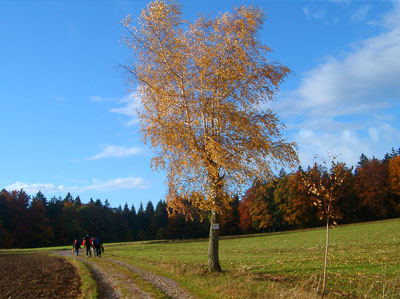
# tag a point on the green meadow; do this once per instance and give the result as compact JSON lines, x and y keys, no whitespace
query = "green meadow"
{"x":363,"y":262}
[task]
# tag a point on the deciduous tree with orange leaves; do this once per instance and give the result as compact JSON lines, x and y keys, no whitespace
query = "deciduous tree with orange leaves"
{"x":394,"y":174}
{"x":294,"y":201}
{"x":324,"y":187}
{"x":245,"y":219}
{"x":372,"y":185}
{"x":202,"y":85}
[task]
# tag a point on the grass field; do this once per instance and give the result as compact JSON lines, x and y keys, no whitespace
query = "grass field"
{"x":363,"y":262}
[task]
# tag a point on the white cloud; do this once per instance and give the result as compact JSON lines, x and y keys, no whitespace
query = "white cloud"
{"x":130,"y":105}
{"x":361,"y":81}
{"x":111,"y":151}
{"x":34,"y":188}
{"x":392,"y":20}
{"x":314,"y":14}
{"x":360,"y":14}
{"x":356,"y":82}
{"x":347,"y":144}
{"x":385,"y":133}
{"x":101,"y":99}
{"x":118,"y":183}
{"x":113,"y":184}
{"x":349,"y":103}
{"x":373,"y":134}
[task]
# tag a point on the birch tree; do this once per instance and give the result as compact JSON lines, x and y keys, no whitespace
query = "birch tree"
{"x":325,"y":188}
{"x":202,"y":86}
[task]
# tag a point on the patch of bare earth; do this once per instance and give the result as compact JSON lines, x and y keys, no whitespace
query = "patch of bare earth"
{"x":37,"y":276}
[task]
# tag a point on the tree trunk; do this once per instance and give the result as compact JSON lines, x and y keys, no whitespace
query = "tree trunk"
{"x":213,"y":252}
{"x":326,"y":259}
{"x":326,"y":248}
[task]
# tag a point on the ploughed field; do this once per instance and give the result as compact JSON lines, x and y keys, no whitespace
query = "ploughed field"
{"x":37,"y":276}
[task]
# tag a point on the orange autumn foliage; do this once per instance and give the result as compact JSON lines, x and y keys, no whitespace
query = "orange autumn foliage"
{"x":201,"y":85}
{"x":394,"y":174}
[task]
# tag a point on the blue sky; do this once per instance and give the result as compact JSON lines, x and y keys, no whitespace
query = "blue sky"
{"x":67,"y":119}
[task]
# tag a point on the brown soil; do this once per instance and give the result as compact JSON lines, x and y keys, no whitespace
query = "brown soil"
{"x":37,"y":276}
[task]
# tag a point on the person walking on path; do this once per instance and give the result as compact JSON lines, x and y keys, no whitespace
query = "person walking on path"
{"x":76,"y":246}
{"x":88,"y":243}
{"x":92,"y":243}
{"x":97,"y":245}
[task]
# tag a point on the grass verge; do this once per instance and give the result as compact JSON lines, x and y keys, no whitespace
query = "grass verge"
{"x":89,"y":285}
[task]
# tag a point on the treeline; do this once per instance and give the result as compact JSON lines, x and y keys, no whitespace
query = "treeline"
{"x":370,"y":191}
{"x":37,"y":222}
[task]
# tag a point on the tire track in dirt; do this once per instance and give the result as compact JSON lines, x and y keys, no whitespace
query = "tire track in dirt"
{"x":123,"y":282}
{"x":106,"y":287}
{"x":166,"y":285}
{"x":111,"y":282}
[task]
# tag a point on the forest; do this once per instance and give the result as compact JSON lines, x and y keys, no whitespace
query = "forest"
{"x":370,"y":191}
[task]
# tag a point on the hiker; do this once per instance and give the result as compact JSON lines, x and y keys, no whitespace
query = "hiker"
{"x":88,"y":243}
{"x":94,"y":248}
{"x":76,"y":246}
{"x":97,"y":245}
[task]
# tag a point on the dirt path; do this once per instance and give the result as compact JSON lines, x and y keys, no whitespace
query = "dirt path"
{"x":107,"y":288}
{"x":166,"y":285}
{"x":114,"y":281}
